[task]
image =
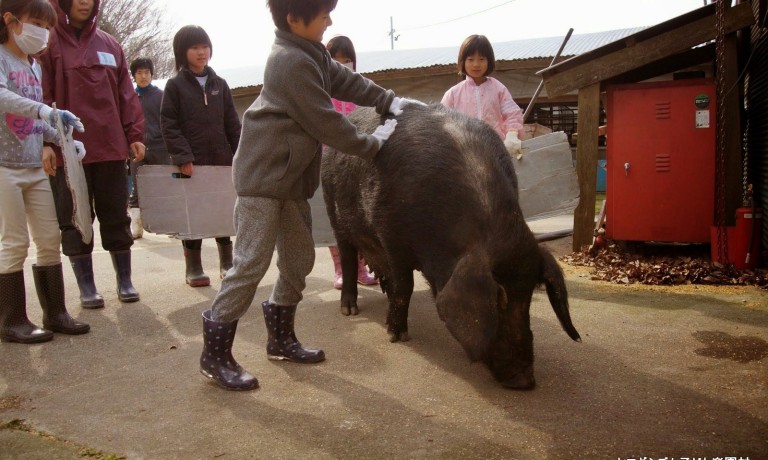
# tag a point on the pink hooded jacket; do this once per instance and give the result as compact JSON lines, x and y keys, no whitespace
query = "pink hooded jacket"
{"x":89,"y":77}
{"x":344,"y":108}
{"x":490,"y":102}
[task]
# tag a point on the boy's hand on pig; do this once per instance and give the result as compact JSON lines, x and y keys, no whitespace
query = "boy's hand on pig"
{"x":383,"y":132}
{"x":398,"y":103}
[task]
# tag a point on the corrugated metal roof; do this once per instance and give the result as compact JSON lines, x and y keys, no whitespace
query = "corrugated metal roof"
{"x":532,"y":48}
{"x":392,"y":60}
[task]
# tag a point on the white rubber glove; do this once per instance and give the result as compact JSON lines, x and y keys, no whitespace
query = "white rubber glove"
{"x":383,"y":132}
{"x":67,"y":117}
{"x":398,"y":103}
{"x":80,"y":148}
{"x":513,"y":144}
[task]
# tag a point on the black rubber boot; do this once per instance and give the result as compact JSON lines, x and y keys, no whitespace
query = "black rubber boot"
{"x":195,"y":276}
{"x":14,"y":324}
{"x":83,"y":267}
{"x":282,"y":342}
{"x":49,"y":283}
{"x":225,"y":258}
{"x":217,"y":362}
{"x":121,"y":260}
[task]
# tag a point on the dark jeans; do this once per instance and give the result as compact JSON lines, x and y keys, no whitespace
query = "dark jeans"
{"x":107,"y":195}
{"x":197,"y":244}
{"x":151,"y":157}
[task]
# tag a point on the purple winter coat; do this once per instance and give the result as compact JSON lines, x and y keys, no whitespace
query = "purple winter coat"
{"x":89,"y":77}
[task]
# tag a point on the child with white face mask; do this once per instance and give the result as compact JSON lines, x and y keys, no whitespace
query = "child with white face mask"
{"x":342,"y":51}
{"x":26,"y":200}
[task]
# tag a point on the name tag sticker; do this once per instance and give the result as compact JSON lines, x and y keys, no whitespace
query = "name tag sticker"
{"x":702,"y":119}
{"x":107,"y":59}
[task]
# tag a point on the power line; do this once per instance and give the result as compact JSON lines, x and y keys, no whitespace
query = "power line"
{"x":458,"y":18}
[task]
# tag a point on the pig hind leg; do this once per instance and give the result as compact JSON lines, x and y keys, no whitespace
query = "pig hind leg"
{"x":399,"y":291}
{"x":348,"y":255}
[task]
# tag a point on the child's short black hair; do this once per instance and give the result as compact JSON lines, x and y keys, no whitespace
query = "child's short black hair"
{"x":306,"y":10}
{"x":37,"y":9}
{"x":142,"y":63}
{"x":186,"y":38}
{"x":476,"y":44}
{"x":341,"y":44}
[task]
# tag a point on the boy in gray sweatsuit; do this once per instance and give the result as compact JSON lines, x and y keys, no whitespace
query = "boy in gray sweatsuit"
{"x":276,"y":169}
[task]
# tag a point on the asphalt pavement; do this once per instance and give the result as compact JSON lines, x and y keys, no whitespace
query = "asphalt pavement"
{"x":661,"y":373}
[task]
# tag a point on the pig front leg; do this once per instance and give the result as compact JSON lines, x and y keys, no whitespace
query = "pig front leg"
{"x":348,"y":256}
{"x":399,"y":290}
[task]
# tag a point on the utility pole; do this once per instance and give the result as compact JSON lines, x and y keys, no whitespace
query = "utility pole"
{"x":392,"y":36}
{"x":391,"y":33}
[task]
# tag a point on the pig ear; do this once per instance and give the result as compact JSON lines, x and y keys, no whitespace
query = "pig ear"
{"x":469,"y":305}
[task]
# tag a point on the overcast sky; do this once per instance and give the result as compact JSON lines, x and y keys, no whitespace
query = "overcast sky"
{"x":242,"y":31}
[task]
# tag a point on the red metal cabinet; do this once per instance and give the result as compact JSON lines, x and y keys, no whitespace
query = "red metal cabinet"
{"x":661,"y":161}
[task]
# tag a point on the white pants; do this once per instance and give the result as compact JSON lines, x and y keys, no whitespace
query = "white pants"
{"x":27,"y":207}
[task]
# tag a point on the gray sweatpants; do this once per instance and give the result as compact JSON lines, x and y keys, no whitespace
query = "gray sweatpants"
{"x":263,"y":224}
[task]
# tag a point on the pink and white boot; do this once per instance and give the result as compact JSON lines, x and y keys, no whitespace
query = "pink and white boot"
{"x":338,"y":280}
{"x":364,"y":277}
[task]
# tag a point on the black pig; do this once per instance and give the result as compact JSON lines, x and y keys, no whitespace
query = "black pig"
{"x":441,"y":197}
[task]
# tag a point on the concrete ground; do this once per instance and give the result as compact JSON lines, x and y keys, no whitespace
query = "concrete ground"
{"x":661,"y":373}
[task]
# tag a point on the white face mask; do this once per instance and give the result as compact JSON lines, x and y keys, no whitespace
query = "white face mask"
{"x":32,"y":39}
{"x":350,"y":65}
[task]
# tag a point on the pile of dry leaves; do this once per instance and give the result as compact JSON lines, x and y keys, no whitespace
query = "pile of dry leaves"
{"x":662,"y":265}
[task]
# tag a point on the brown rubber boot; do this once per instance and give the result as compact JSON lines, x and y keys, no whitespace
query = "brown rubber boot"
{"x":49,"y":283}
{"x":195,"y":276}
{"x":225,"y":258}
{"x":14,"y":323}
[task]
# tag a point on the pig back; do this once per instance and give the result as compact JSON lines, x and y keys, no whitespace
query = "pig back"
{"x":441,"y":183}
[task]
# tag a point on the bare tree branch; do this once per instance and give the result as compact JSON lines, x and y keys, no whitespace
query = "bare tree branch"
{"x":142,"y":30}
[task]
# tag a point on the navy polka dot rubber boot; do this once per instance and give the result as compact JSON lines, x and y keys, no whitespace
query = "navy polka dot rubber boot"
{"x":217,"y":362}
{"x":282,"y":342}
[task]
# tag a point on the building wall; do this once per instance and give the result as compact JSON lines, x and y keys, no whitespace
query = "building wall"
{"x":430,"y":86}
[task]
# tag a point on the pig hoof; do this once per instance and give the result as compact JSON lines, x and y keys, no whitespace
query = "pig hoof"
{"x":399,"y":336}
{"x":519,"y":382}
{"x":349,"y":310}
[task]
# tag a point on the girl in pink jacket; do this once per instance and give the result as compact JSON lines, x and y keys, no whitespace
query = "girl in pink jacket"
{"x":484,"y":97}
{"x":343,"y":51}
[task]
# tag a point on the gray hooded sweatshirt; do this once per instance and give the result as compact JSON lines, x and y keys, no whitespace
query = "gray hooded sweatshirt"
{"x":283,"y":130}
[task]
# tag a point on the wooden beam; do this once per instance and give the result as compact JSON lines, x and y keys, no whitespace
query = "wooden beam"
{"x":636,"y":54}
{"x":568,"y":99}
{"x":701,"y":58}
{"x":732,"y":130}
{"x":631,"y":40}
{"x":586,"y":165}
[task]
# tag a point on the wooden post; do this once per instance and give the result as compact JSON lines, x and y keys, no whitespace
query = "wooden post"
{"x":732,"y":132}
{"x":586,"y":165}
